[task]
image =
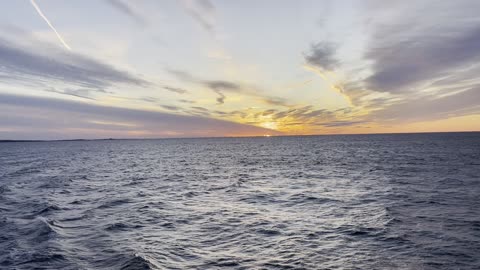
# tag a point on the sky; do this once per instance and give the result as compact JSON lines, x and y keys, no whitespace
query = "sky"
{"x":202,"y":68}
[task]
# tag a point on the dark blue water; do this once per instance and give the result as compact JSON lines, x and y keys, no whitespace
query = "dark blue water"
{"x":325,"y":202}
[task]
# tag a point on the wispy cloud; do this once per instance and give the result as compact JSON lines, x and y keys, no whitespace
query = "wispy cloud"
{"x":203,"y":12}
{"x":39,"y":11}
{"x":127,"y":9}
{"x":276,"y":101}
{"x":186,"y":101}
{"x":322,"y":60}
{"x":170,"y":107}
{"x":340,"y":123}
{"x":199,"y":111}
{"x":45,"y":118}
{"x":401,"y":65}
{"x":322,"y":55}
{"x":413,"y":68}
{"x":221,"y":87}
{"x":433,"y":108}
{"x":80,"y":93}
{"x":175,"y":89}
{"x":27,"y":65}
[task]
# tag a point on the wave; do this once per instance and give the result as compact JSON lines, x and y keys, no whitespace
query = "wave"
{"x":276,"y":209}
{"x":114,"y":203}
{"x":138,"y":262}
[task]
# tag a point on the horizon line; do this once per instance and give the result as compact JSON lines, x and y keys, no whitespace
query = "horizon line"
{"x":232,"y":137}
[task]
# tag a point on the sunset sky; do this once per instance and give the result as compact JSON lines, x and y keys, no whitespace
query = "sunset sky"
{"x":148,"y":68}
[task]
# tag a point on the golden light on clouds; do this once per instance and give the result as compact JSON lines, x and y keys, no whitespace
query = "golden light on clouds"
{"x":237,"y":78}
{"x":269,"y":125}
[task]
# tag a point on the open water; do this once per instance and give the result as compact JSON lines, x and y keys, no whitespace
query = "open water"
{"x":322,"y":202}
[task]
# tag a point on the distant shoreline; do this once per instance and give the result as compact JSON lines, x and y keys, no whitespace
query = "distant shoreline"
{"x":226,"y":137}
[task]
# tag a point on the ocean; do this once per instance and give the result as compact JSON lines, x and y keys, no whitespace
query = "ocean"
{"x":399,"y":201}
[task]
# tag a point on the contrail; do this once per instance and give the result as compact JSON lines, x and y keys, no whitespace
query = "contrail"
{"x":49,"y":24}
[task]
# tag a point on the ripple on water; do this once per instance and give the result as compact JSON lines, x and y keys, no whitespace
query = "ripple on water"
{"x":344,"y":202}
{"x":137,"y":262}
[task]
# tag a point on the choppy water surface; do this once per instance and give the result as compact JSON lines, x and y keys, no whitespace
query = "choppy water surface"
{"x":326,"y":202}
